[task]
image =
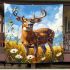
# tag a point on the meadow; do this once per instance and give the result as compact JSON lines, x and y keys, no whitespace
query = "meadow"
{"x":16,"y":53}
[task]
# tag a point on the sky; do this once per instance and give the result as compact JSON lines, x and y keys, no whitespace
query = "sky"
{"x":53,"y":20}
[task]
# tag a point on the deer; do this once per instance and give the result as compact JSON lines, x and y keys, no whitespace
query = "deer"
{"x":33,"y":38}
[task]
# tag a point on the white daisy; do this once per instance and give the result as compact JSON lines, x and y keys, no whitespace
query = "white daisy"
{"x":59,"y":54}
{"x":14,"y":50}
{"x":30,"y":57}
{"x":43,"y":58}
{"x":18,"y":56}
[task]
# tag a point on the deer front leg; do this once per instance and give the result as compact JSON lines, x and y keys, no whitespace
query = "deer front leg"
{"x":51,"y":47}
{"x":27,"y":50}
{"x":26,"y":47}
{"x":43,"y":48}
{"x":35,"y":50}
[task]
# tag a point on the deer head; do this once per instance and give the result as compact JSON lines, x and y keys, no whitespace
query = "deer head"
{"x":29,"y":22}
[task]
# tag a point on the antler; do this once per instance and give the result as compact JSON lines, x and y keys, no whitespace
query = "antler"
{"x":38,"y":19}
{"x":43,"y":13}
{"x":15,"y":11}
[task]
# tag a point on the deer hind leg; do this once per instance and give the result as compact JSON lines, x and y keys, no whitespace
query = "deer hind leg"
{"x":43,"y":48}
{"x":51,"y":47}
{"x":27,"y":50}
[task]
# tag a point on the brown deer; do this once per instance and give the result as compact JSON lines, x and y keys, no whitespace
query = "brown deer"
{"x":34,"y":38}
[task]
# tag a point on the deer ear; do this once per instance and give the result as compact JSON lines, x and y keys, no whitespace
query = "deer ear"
{"x":18,"y":18}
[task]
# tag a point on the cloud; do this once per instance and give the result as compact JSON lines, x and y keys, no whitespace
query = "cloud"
{"x":5,"y":28}
{"x":57,"y":24}
{"x":57,"y":34}
{"x":38,"y":25}
{"x":7,"y":7}
{"x":19,"y":32}
{"x":38,"y":13}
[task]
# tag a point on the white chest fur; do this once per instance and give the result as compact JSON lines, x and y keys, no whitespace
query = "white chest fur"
{"x":24,"y":28}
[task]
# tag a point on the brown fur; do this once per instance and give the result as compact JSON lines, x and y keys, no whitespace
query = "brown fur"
{"x":36,"y":37}
{"x":40,"y":36}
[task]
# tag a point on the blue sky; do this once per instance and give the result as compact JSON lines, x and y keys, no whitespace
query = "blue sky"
{"x":53,"y":20}
{"x":27,"y":11}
